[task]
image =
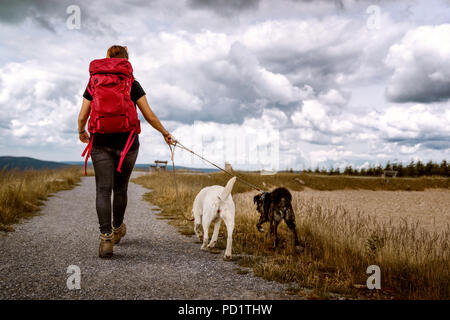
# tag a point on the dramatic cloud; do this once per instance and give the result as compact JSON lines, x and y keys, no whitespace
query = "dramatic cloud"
{"x":419,"y":124}
{"x":17,"y":11}
{"x":421,"y":64}
{"x":312,"y":79}
{"x":224,"y":7}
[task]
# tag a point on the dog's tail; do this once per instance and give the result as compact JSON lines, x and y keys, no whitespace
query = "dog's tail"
{"x":226,"y":192}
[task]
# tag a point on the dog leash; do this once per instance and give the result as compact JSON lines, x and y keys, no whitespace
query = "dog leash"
{"x":229,"y":173}
{"x":172,"y":151}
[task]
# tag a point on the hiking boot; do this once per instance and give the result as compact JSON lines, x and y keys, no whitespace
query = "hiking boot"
{"x":106,"y":245}
{"x":119,"y":232}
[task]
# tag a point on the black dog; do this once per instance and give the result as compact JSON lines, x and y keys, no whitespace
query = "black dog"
{"x":276,"y":206}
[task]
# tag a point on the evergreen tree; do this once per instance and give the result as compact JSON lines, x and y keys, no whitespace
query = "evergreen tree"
{"x":388,"y":166}
{"x":420,"y":168}
{"x":411,"y":169}
{"x":400,"y":170}
{"x":429,"y":168}
{"x":435,"y":170}
{"x":444,"y":169}
{"x":348,"y":170}
{"x":370,"y":171}
{"x":378,"y":170}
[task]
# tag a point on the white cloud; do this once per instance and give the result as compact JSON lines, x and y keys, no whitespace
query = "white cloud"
{"x":287,"y":68}
{"x":36,"y":111}
{"x":175,"y":97}
{"x":421,"y":65}
{"x":419,"y":121}
{"x":409,"y":150}
{"x":315,"y":115}
{"x":329,"y":154}
{"x":334,"y":97}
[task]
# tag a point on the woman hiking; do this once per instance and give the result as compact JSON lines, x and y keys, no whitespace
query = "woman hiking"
{"x":109,"y":102}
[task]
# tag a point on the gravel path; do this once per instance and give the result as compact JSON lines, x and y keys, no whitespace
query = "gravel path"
{"x":153,"y":261}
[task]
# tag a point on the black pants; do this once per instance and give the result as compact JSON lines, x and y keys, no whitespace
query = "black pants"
{"x":108,"y":180}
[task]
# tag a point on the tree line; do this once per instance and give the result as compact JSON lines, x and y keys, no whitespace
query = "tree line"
{"x":413,"y":169}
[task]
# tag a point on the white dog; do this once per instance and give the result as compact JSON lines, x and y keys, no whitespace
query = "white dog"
{"x":214,"y":204}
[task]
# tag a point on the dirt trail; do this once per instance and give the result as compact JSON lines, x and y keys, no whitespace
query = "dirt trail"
{"x":153,"y":261}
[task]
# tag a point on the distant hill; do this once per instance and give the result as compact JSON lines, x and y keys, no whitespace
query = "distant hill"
{"x":22,"y":163}
{"x":146,"y":166}
{"x":169,"y":167}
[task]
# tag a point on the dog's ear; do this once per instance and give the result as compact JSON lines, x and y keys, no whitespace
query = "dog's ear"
{"x":255,"y":198}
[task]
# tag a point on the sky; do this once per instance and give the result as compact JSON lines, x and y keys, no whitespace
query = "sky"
{"x":261,"y":84}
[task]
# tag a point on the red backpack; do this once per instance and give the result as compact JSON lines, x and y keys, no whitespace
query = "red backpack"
{"x":112,"y":109}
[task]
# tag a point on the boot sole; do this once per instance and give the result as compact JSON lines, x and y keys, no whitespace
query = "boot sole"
{"x":106,"y":256}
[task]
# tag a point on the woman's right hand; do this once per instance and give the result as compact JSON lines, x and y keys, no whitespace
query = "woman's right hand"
{"x":169,"y":139}
{"x":84,"y":137}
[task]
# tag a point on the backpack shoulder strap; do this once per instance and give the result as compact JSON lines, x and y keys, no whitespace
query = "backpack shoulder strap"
{"x":89,"y":88}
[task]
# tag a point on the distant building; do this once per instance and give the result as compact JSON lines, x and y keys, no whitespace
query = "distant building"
{"x":388,"y":173}
{"x":158,"y":166}
{"x":228,"y":167}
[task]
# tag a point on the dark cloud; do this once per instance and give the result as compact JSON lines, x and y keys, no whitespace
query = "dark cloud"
{"x":339,"y":4}
{"x":419,"y":89}
{"x":438,"y":144}
{"x":18,"y":11}
{"x":51,"y":14}
{"x":224,"y":7}
{"x":231,"y":89}
{"x":421,"y":66}
{"x":435,"y":142}
{"x":315,"y":68}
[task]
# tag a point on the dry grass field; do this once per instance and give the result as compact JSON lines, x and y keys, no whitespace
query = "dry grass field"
{"x":346,"y":224}
{"x":23,"y":192}
{"x":430,"y":209}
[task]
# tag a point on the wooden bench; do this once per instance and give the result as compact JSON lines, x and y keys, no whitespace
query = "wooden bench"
{"x":158,"y":166}
{"x":389,"y":173}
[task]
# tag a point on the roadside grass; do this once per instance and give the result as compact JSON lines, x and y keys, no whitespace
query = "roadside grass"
{"x":23,"y":192}
{"x":339,"y":247}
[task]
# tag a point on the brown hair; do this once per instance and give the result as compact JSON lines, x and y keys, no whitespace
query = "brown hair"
{"x":117,"y":52}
